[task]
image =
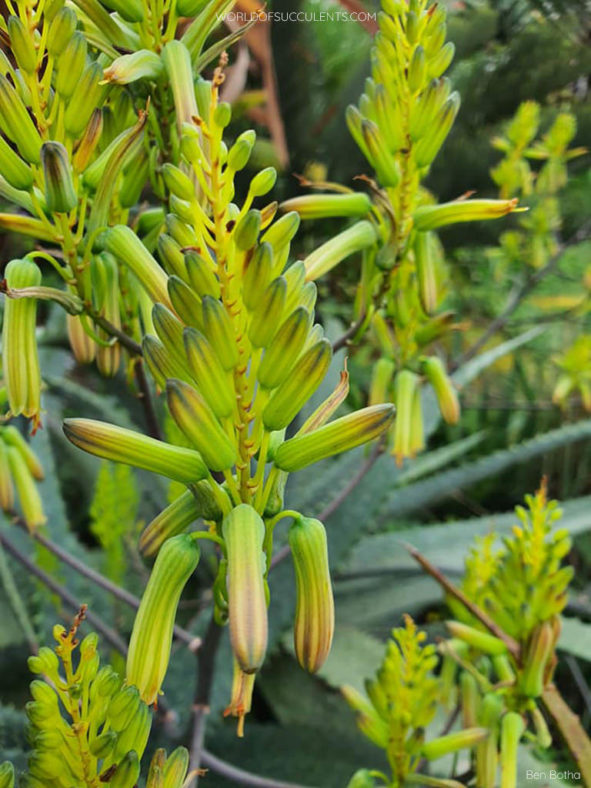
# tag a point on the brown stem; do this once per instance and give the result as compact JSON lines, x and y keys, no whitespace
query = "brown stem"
{"x":130,"y":344}
{"x":571,"y":730}
{"x":240,"y":776}
{"x":145,"y":396}
{"x":206,"y":669}
{"x":110,"y":635}
{"x":476,"y":611}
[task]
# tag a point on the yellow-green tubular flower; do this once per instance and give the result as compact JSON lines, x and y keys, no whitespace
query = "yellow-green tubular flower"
{"x":151,"y":638}
{"x":127,"y":773}
{"x":321,"y":206}
{"x":406,"y":384}
{"x":13,"y":168}
{"x":6,"y":775}
{"x":482,"y":641}
{"x":83,"y":347}
{"x":429,"y":217}
{"x":135,"y":735}
{"x":22,"y":375}
{"x":21,"y":45}
{"x":177,"y":62}
{"x":177,"y":763}
{"x":244,"y":533}
{"x":338,"y":436}
{"x":512,"y":729}
{"x":538,"y":655}
{"x":199,"y":424}
{"x":154,"y":779}
{"x":130,"y":10}
{"x":89,"y":141}
{"x":280,"y":234}
{"x":417,"y":432}
{"x":28,"y":495}
{"x":171,"y":255}
{"x":214,"y":382}
{"x":178,"y":516}
{"x":217,"y":327}
{"x":127,"y":247}
{"x":247,"y":230}
{"x":70,"y":65}
{"x":369,"y":720}
{"x":186,"y":302}
{"x":178,"y":183}
{"x":16,"y":123}
{"x":61,"y":31}
{"x":6,"y":485}
{"x":132,"y":448}
{"x":89,"y":95}
{"x":201,"y":276}
{"x":444,"y":389}
{"x":452,"y":742}
{"x":470,"y":699}
{"x":284,"y":349}
{"x":257,"y":275}
{"x":314,"y":618}
{"x":429,"y":145}
{"x":296,"y":389}
{"x":108,"y":359}
{"x":441,"y":61}
{"x":267,"y":318}
{"x":383,"y":162}
{"x":13,"y":437}
{"x":426,"y":107}
{"x":426,"y":266}
{"x":170,"y":332}
{"x":123,"y":707}
{"x":487,"y":756}
{"x":161,"y":364}
{"x":239,"y":153}
{"x":331,"y":253}
{"x":142,"y":64}
{"x":381,"y":380}
{"x":263,"y":182}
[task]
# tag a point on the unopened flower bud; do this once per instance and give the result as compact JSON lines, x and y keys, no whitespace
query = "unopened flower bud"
{"x":127,"y":247}
{"x":71,"y":64}
{"x":151,"y":639}
{"x":512,"y":729}
{"x":130,"y":10}
{"x":16,"y":123}
{"x":125,"y":69}
{"x":247,"y":230}
{"x":257,"y":276}
{"x":220,"y":332}
{"x":314,"y":618}
{"x":244,"y":533}
{"x":14,"y":169}
{"x":452,"y":742}
{"x":321,"y":206}
{"x":331,"y":253}
{"x":444,"y":389}
{"x":482,"y":641}
{"x":335,"y":437}
{"x":430,"y":217}
{"x":201,"y":275}
{"x":21,"y":45}
{"x":282,"y":353}
{"x":263,"y":182}
{"x":199,"y":424}
{"x":268,"y":316}
{"x":299,"y":386}
{"x":61,"y":31}
{"x":128,"y":769}
{"x":133,"y":448}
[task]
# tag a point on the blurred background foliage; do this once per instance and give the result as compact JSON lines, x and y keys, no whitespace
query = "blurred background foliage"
{"x":509,"y":435}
